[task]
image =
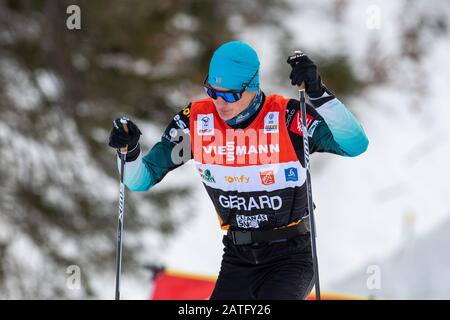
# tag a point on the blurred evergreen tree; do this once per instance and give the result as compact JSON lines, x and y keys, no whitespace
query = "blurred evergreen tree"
{"x":60,"y":90}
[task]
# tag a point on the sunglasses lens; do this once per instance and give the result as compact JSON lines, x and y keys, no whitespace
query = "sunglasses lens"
{"x":210,"y":92}
{"x":229,"y":97}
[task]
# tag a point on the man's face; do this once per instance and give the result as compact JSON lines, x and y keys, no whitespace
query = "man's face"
{"x":227,"y":110}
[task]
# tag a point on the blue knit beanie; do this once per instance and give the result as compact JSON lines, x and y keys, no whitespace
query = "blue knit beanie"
{"x":233,"y":65}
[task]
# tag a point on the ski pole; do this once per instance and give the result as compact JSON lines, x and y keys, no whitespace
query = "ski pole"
{"x":301,"y":92}
{"x":123,"y":154}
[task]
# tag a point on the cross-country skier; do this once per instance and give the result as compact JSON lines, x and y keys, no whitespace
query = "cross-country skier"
{"x":248,"y":149}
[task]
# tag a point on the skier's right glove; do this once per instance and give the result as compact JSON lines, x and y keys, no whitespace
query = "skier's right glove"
{"x":118,"y":138}
{"x":305,"y":70}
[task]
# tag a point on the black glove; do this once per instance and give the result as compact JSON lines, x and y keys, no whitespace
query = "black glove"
{"x":118,"y":138}
{"x":305,"y":70}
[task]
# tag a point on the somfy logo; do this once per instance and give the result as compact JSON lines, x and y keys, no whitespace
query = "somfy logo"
{"x":241,"y":179}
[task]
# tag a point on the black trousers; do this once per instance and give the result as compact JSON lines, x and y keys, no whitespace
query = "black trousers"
{"x":275,"y":271}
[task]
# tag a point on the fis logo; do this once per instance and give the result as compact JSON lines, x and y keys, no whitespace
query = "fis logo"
{"x":267,"y":177}
{"x":291,"y":174}
{"x":271,"y":122}
{"x":205,"y":124}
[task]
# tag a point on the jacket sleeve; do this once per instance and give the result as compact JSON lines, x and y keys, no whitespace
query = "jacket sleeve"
{"x":172,"y":151}
{"x":332,"y":127}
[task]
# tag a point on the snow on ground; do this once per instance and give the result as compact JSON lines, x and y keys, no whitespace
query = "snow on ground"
{"x":413,"y":272}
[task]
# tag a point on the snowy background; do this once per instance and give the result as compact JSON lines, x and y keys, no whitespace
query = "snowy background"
{"x":384,"y":214}
{"x":389,"y":207}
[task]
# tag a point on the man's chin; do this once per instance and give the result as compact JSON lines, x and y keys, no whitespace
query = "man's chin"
{"x":225,"y":116}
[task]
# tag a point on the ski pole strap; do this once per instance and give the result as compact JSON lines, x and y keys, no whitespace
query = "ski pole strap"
{"x":260,"y":236}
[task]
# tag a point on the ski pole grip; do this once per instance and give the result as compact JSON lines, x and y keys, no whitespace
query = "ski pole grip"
{"x":298,"y":54}
{"x":124,"y":122}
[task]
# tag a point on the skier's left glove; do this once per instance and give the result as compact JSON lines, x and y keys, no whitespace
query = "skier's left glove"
{"x":305,"y":70}
{"x":118,"y":138}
